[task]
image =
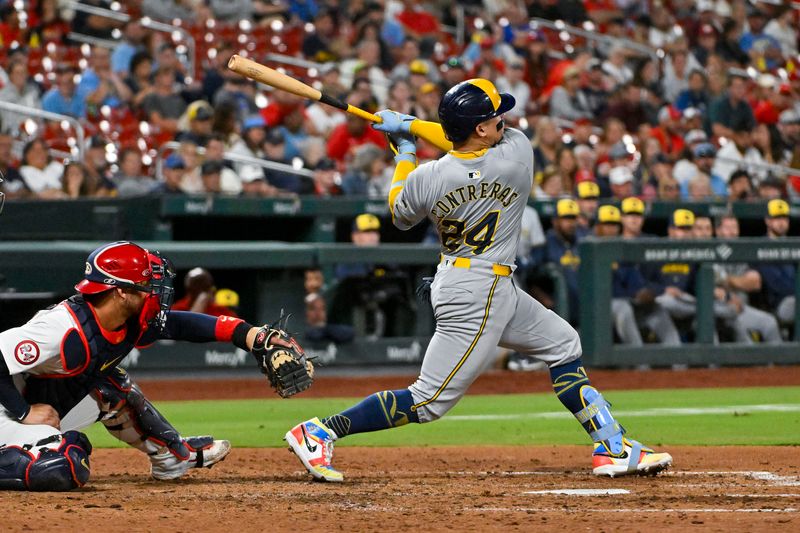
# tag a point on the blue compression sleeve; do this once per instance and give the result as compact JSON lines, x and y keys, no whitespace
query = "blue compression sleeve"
{"x":382,"y":410}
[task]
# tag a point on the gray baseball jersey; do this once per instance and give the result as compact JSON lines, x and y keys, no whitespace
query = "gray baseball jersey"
{"x":477,"y":201}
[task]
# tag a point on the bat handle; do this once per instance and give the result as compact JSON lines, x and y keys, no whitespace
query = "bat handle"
{"x":364,"y":114}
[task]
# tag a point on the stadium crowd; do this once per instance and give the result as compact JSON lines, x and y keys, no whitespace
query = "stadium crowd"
{"x":677,"y":100}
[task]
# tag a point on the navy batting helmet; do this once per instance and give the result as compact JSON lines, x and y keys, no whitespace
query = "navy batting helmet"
{"x":468,"y":104}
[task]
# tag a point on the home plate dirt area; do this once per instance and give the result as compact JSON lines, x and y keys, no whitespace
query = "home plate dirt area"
{"x":427,"y":489}
{"x":542,"y":488}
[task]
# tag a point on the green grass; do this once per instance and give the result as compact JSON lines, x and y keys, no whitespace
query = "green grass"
{"x":262,"y":423}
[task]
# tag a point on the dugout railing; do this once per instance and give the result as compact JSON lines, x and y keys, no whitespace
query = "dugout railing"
{"x":597,"y":257}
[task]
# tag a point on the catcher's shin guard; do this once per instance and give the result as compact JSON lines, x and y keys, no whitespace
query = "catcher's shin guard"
{"x":57,"y":463}
{"x":131,"y":418}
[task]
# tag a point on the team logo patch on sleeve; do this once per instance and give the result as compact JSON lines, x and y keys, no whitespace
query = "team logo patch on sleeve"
{"x":26,"y":352}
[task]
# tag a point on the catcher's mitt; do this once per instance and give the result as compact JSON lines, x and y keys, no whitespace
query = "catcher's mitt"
{"x":283,"y":361}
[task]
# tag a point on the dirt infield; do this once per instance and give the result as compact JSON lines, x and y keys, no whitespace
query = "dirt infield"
{"x":435,"y":488}
{"x":493,"y":382}
{"x":430,"y":489}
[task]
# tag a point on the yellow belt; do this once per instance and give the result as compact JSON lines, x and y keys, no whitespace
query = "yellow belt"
{"x":466,"y":262}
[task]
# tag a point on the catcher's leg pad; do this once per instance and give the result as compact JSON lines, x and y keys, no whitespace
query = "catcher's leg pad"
{"x":58,"y":463}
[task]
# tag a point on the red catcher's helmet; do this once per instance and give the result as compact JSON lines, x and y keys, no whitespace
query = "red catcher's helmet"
{"x":119,"y":264}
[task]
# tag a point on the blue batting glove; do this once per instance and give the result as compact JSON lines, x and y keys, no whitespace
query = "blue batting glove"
{"x":394,"y":122}
{"x":403,"y":145}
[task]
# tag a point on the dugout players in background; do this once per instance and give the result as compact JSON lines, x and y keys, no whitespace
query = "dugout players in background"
{"x":588,"y":195}
{"x":732,"y":283}
{"x":201,"y":292}
{"x":561,"y":250}
{"x":374,"y":298}
{"x":633,"y":302}
{"x":632,"y":218}
{"x":777,"y":280}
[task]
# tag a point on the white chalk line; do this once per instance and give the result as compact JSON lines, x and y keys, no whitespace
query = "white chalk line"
{"x":623,"y":510}
{"x":655,"y":411}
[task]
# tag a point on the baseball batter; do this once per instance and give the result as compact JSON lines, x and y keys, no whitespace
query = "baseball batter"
{"x":59,"y":373}
{"x":475,"y":195}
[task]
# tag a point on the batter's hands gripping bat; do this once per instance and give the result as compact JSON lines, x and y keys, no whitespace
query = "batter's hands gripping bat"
{"x":429,"y":131}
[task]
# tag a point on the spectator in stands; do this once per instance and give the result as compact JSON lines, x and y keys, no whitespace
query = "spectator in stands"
{"x":230,"y":183}
{"x":367,"y":174}
{"x":298,"y":142}
{"x":547,"y":184}
{"x":789,"y":131}
{"x":320,"y":45}
{"x":327,"y":180}
{"x":703,"y":160}
{"x":632,"y":218}
{"x":77,"y":182}
{"x":620,"y":180}
{"x":677,"y":67}
{"x":771,"y":188}
{"x":254,"y":182}
{"x":567,"y":166}
{"x":737,"y":152}
{"x":731,"y":112}
{"x":732,"y":282}
{"x":252,"y":140}
{"x":200,"y":295}
{"x":47,"y":25}
{"x":783,"y":29}
{"x":740,"y":187}
{"x":615,"y":66}
{"x":454,"y":72}
{"x":96,"y":158}
{"x":131,"y":43}
{"x":668,"y":131}
{"x":173,"y":171}
{"x":546,"y":144}
{"x":314,"y":281}
{"x":625,"y":105}
{"x":366,"y":63}
{"x":167,"y":10}
{"x":130,"y":180}
{"x":199,"y":115}
{"x":100,"y":86}
{"x":755,"y":40}
{"x":63,"y":98}
{"x":321,"y":119}
{"x":211,"y":176}
{"x":13,"y":185}
{"x":163,"y":107}
{"x":776,"y":280}
{"x":587,"y":198}
{"x":669,"y":190}
{"x":139,"y":78}
{"x":354,"y":132}
{"x":317,"y":327}
{"x":41,"y":173}
{"x":225,"y":125}
{"x":21,"y":91}
{"x":561,"y":249}
{"x":696,"y":94}
{"x":567,"y":101}
{"x":706,"y":44}
{"x":595,"y":88}
{"x":330,"y":77}
{"x":512,"y":82}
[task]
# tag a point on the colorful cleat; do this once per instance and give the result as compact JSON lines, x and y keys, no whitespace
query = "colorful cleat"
{"x":634,"y":459}
{"x":312,"y":442}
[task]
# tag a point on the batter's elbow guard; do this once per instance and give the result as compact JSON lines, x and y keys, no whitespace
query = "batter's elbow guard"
{"x":50,"y":469}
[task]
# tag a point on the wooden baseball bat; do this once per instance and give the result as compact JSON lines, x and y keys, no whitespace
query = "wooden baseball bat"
{"x":248,"y":68}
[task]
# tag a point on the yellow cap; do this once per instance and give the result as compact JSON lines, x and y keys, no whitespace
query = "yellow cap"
{"x":588,"y":189}
{"x":682,"y":218}
{"x":608,"y":214}
{"x":418,"y":67}
{"x":567,"y":207}
{"x":632,"y":206}
{"x":427,"y":87}
{"x":199,"y":110}
{"x":227,"y":298}
{"x":778,"y":208}
{"x":366,"y":222}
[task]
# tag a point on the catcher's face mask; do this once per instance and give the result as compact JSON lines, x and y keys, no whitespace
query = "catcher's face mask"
{"x":158,"y":302}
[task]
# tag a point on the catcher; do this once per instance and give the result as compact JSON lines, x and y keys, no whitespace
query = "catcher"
{"x":59,"y":373}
